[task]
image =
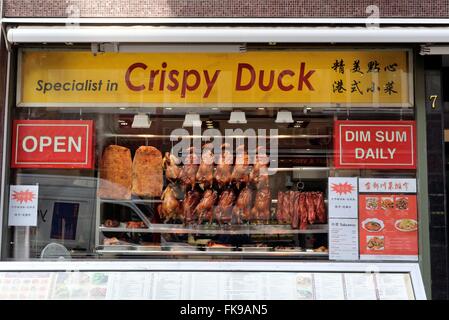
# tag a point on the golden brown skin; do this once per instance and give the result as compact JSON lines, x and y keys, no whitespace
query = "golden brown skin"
{"x":147,"y":172}
{"x":224,"y":168}
{"x":259,"y":174}
{"x":115,"y":173}
{"x":188,"y":206}
{"x":242,"y":209}
{"x":204,"y":210}
{"x":223,"y":211}
{"x":205,"y":174}
{"x":261,"y":212}
{"x":172,"y":171}
{"x":240,"y":174}
{"x":190,"y":168}
{"x":170,"y":209}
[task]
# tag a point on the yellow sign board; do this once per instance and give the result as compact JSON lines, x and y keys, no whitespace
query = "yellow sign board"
{"x":322,"y":77}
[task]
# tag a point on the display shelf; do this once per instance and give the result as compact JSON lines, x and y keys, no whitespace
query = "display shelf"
{"x":161,"y":136}
{"x":130,"y":201}
{"x":216,"y":229}
{"x":240,"y":254}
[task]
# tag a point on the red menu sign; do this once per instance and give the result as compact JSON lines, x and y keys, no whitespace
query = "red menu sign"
{"x":52,"y":144}
{"x":388,"y":227}
{"x":375,"y":144}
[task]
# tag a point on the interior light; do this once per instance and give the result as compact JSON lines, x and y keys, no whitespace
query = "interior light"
{"x":284,"y":117}
{"x":192,"y":120}
{"x":237,"y":117}
{"x":141,"y":120}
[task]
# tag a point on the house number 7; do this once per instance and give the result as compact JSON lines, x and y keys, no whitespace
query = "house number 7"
{"x":433,"y":99}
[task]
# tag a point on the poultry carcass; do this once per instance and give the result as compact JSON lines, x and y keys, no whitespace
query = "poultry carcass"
{"x":190,"y":168}
{"x":205,"y":174}
{"x":189,"y":204}
{"x":170,"y":208}
{"x":223,"y":211}
{"x":259,"y":174}
{"x":240,"y":174}
{"x":261,"y":212}
{"x":172,"y":171}
{"x":205,"y":209}
{"x":224,"y":168}
{"x":242,"y":209}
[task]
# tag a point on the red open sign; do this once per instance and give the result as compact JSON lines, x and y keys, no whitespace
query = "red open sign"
{"x":52,"y":144}
{"x":375,"y":144}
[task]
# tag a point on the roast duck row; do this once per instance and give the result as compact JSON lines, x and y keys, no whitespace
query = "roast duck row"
{"x":251,"y":204}
{"x":204,"y":171}
{"x":227,"y":208}
{"x":300,"y":208}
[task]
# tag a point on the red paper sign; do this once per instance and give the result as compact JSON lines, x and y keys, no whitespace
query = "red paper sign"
{"x":375,"y":144}
{"x":52,"y":144}
{"x":388,"y":226}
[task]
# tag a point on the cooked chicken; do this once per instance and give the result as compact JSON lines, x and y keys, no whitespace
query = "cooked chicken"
{"x":224,"y":168}
{"x":240,"y":174}
{"x":261,"y":211}
{"x":204,"y":210}
{"x":259,"y":173}
{"x":172,"y":171}
{"x":190,"y":168}
{"x":242,"y":208}
{"x":205,"y":174}
{"x":223,"y":211}
{"x":170,"y":208}
{"x":188,"y":206}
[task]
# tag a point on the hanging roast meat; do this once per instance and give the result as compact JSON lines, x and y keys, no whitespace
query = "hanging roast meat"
{"x":205,"y":174}
{"x":261,"y":212}
{"x":223,"y":211}
{"x":303,"y":213}
{"x":311,"y":211}
{"x":189,"y":205}
{"x":242,"y":208}
{"x":190,"y":168}
{"x":204,"y":210}
{"x":320,"y":207}
{"x":172,"y":171}
{"x":224,"y":168}
{"x":240,"y":174}
{"x":280,"y":208}
{"x":259,"y":173}
{"x":294,"y":199}
{"x":170,"y":208}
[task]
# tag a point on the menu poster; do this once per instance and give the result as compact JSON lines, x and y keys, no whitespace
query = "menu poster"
{"x":360,"y":286}
{"x":25,"y":285}
{"x":388,"y":227}
{"x":343,"y":239}
{"x":394,"y":286}
{"x":329,"y":286}
{"x":342,"y":197}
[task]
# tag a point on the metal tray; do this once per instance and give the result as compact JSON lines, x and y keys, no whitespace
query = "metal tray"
{"x":115,"y":247}
{"x":225,"y":249}
{"x":148,"y":248}
{"x":292,"y":249}
{"x":256,"y":249}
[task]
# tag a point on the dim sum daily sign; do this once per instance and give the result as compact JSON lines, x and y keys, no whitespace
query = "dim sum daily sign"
{"x":52,"y":144}
{"x":375,"y":144}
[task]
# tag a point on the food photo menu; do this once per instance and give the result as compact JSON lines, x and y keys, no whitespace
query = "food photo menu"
{"x":388,"y":227}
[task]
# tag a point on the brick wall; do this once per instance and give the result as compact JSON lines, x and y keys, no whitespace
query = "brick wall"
{"x":226,"y":8}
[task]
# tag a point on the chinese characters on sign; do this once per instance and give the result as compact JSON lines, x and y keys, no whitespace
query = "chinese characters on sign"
{"x":387,"y":185}
{"x":23,"y":205}
{"x":388,"y":87}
